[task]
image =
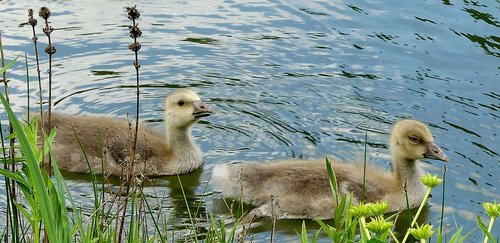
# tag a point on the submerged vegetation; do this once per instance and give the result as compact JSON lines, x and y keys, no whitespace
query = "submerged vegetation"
{"x":40,"y":206}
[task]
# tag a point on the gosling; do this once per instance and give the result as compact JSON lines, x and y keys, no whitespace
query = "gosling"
{"x":301,"y":189}
{"x":107,"y":141}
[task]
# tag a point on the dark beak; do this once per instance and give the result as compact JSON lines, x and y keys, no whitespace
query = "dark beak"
{"x":434,"y":152}
{"x":201,"y":109}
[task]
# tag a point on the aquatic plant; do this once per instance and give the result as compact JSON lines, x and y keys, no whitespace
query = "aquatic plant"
{"x":492,"y":210}
{"x":10,"y":185}
{"x":135,"y":32}
{"x":45,"y":197}
{"x":50,"y":49}
{"x":422,"y":233}
{"x":430,"y":181}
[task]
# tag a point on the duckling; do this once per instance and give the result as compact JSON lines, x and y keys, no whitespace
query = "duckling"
{"x":107,"y":140}
{"x":301,"y":189}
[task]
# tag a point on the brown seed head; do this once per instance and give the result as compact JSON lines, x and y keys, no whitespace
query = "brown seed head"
{"x":44,"y":12}
{"x":50,"y":49}
{"x":135,"y":31}
{"x":133,"y":13}
{"x":31,"y":20}
{"x":135,"y":46}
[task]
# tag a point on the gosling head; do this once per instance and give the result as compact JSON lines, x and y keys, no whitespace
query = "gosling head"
{"x":411,"y":140}
{"x":184,"y":107}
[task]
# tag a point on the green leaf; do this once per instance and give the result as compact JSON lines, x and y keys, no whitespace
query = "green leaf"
{"x":26,"y":214}
{"x":61,"y":201}
{"x":62,"y":188}
{"x":303,"y":234}
{"x":333,"y":181}
{"x":2,"y":70}
{"x":316,"y":236}
{"x":16,"y":160}
{"x":456,"y":236}
{"x":327,"y":229}
{"x":17,"y":177}
{"x":439,"y":235}
{"x":483,"y":227}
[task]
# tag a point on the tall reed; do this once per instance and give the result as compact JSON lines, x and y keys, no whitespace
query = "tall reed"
{"x":50,"y":50}
{"x":13,"y":218}
{"x":135,"y":46}
{"x":33,"y":22}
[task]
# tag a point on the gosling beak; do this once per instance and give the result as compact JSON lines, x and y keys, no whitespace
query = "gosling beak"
{"x":201,"y":109}
{"x":434,"y":152}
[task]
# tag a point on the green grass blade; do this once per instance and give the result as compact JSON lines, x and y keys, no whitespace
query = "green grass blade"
{"x":439,"y":235}
{"x":484,"y":229}
{"x":62,"y":188}
{"x":456,"y":236}
{"x":187,"y":207}
{"x":3,"y":69}
{"x":132,"y":228}
{"x":303,"y":233}
{"x":162,"y":238}
{"x":16,"y":177}
{"x":333,"y":180}
{"x":327,"y":229}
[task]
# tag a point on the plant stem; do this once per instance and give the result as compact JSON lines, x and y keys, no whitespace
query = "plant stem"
{"x":7,"y":188}
{"x":33,"y":23}
{"x":393,"y":236}
{"x":418,"y":213}
{"x":442,"y":201}
{"x":49,"y":71}
{"x":27,"y":83}
{"x":135,"y":32}
{"x":273,"y":219}
{"x":136,"y":65}
{"x":11,"y":190}
{"x":490,"y":226}
{"x":364,"y":168}
{"x":421,"y":206}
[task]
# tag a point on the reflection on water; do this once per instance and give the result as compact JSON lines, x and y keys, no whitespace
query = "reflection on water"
{"x":288,"y":79}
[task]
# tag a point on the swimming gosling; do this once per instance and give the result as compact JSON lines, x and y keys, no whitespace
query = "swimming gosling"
{"x":301,"y":189}
{"x":110,"y":139}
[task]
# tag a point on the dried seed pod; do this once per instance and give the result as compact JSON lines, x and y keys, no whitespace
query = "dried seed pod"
{"x":135,"y":31}
{"x":133,"y":13}
{"x":44,"y":13}
{"x":50,"y":49}
{"x":136,"y":46}
{"x":31,"y":20}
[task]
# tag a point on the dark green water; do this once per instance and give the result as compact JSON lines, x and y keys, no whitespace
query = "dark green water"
{"x":288,"y":80}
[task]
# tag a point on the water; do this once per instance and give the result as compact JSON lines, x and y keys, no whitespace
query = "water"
{"x":288,"y":80}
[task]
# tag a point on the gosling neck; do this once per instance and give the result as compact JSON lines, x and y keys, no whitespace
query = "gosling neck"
{"x":179,"y":138}
{"x":407,"y":169}
{"x":408,"y":173}
{"x":186,"y":154}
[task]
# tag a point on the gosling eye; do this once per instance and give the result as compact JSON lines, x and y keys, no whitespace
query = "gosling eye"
{"x":414,"y":139}
{"x":181,"y":103}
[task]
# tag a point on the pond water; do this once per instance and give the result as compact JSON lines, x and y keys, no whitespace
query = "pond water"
{"x":289,"y":79}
